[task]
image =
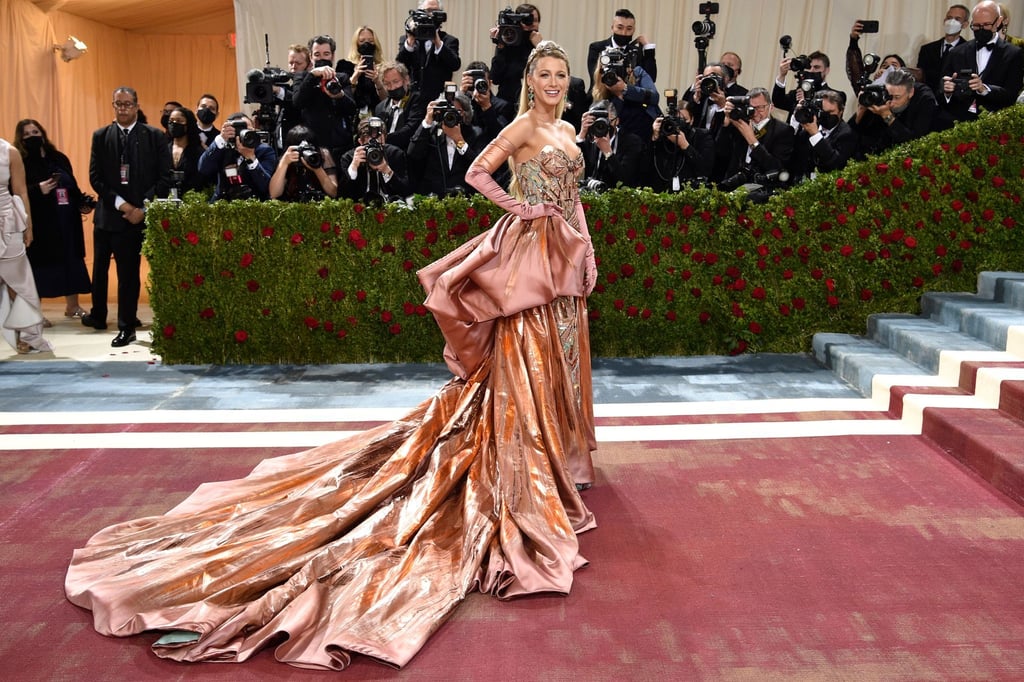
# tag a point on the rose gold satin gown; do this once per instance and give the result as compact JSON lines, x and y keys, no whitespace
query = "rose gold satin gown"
{"x":367,"y":544}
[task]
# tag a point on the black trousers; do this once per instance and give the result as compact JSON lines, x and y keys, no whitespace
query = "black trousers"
{"x":125,"y":247}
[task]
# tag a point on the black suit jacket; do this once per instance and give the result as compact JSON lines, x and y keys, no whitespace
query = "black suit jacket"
{"x":831,"y":153}
{"x":932,"y":63}
{"x":409,"y":118}
{"x":667,"y":162}
{"x":622,"y":167}
{"x":427,"y":70}
{"x":149,"y":173}
{"x":369,"y":184}
{"x":773,"y":154}
{"x":1003,"y":75}
{"x":329,"y":118}
{"x":428,"y":152}
{"x":647,"y":59}
{"x":922,"y":116}
{"x":787,"y":100}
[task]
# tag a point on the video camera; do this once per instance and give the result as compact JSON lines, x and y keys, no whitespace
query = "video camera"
{"x":423,"y":24}
{"x":259,"y":88}
{"x":510,"y":26}
{"x":613,"y":66}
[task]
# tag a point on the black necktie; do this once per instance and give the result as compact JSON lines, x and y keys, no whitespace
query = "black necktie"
{"x":945,"y":49}
{"x":124,"y":142}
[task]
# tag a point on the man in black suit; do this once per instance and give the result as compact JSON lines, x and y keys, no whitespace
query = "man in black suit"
{"x":623,"y":28}
{"x":816,"y":71}
{"x":611,"y":157}
{"x":374,"y":170}
{"x":986,"y":72}
{"x":708,"y":95}
{"x":931,"y":58}
{"x":910,"y":112}
{"x":130,"y":163}
{"x":509,"y":58}
{"x":442,"y":153}
{"x":432,"y":60}
{"x":401,"y":111}
{"x":207,"y":109}
{"x":824,"y":142}
{"x":324,"y":100}
{"x":491,"y":113}
{"x":760,"y":146}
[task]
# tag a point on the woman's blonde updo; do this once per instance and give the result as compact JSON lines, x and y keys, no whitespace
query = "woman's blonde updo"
{"x":545,"y":48}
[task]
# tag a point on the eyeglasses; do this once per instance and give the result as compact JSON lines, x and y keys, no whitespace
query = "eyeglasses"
{"x":124,"y":105}
{"x":988,"y":24}
{"x":761,"y":107}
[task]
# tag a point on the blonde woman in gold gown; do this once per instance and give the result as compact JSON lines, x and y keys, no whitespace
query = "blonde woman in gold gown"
{"x":365,"y":545}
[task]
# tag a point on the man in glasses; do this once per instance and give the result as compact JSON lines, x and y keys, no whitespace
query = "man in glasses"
{"x":983,"y":73}
{"x":130,"y":163}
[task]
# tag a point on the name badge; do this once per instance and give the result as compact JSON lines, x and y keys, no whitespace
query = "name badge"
{"x":62,"y":196}
{"x":124,"y":173}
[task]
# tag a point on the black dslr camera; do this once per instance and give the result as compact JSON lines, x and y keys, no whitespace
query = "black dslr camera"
{"x":613,"y":66}
{"x":711,"y":84}
{"x":479,"y":80}
{"x":808,"y":110}
{"x":874,"y":95}
{"x":445,"y":111}
{"x":246,"y":136}
{"x":423,"y":24}
{"x":510,"y":26}
{"x":600,"y":127}
{"x":799,"y":63}
{"x":310,"y":153}
{"x":259,"y":88}
{"x":870,"y":62}
{"x":741,"y":109}
{"x":671,"y":124}
{"x":374,"y":147}
{"x":961,"y":83}
{"x":809,"y":82}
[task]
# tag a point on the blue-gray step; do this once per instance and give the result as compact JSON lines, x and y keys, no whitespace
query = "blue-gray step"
{"x":911,"y":344}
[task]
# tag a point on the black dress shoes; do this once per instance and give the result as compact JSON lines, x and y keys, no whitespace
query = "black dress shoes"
{"x":123,"y":338}
{"x":90,"y":321}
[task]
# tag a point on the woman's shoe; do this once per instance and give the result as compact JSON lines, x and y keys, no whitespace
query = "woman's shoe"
{"x":77,"y":312}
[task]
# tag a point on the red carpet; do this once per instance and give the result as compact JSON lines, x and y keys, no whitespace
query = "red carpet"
{"x":845,"y":558}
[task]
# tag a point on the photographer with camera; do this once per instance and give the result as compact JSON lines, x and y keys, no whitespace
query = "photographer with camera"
{"x":632,"y":91}
{"x":611,"y":157}
{"x":445,"y":145}
{"x":490,"y":112}
{"x":375,"y":171}
{"x":430,"y":55}
{"x":305,"y":172}
{"x":824,"y":142}
{"x":242,"y":160}
{"x":639,"y":51}
{"x":984,"y":73}
{"x":364,"y":58}
{"x":811,"y":73}
{"x":759,"y":145}
{"x":708,"y":94}
{"x":324,"y":97}
{"x":681,"y":153}
{"x":900,"y":110}
{"x":400,"y":111}
{"x":514,"y":36}
{"x":864,"y":69}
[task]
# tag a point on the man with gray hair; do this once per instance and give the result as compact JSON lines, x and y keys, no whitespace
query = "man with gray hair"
{"x":984,"y":73}
{"x":904,"y":110}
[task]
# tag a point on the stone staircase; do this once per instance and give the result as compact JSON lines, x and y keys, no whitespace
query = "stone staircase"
{"x":954,"y":373}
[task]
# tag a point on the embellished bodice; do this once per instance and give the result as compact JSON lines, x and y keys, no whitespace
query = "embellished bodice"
{"x":552,"y":176}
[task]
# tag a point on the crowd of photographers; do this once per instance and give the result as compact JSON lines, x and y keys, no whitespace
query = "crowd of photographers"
{"x":386,"y":122}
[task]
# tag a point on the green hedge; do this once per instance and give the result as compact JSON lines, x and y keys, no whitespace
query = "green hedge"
{"x":697,"y":272}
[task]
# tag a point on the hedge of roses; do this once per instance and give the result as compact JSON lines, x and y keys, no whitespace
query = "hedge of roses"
{"x":699,"y":272}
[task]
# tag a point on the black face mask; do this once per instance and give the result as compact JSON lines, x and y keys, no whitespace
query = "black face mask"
{"x":175,"y":129}
{"x":828,"y":120}
{"x":621,"y":41}
{"x":368,"y":49}
{"x":397,"y":93}
{"x":164,"y":118}
{"x":983,"y":36}
{"x":32,"y":144}
{"x":321,"y":62}
{"x":206,"y":116}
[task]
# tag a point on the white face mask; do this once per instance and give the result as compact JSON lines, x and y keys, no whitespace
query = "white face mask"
{"x":953,"y":27}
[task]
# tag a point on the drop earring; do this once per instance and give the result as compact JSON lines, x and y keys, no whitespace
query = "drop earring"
{"x":529,"y":97}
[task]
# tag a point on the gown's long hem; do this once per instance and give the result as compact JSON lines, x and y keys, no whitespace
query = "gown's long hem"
{"x":366,"y":545}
